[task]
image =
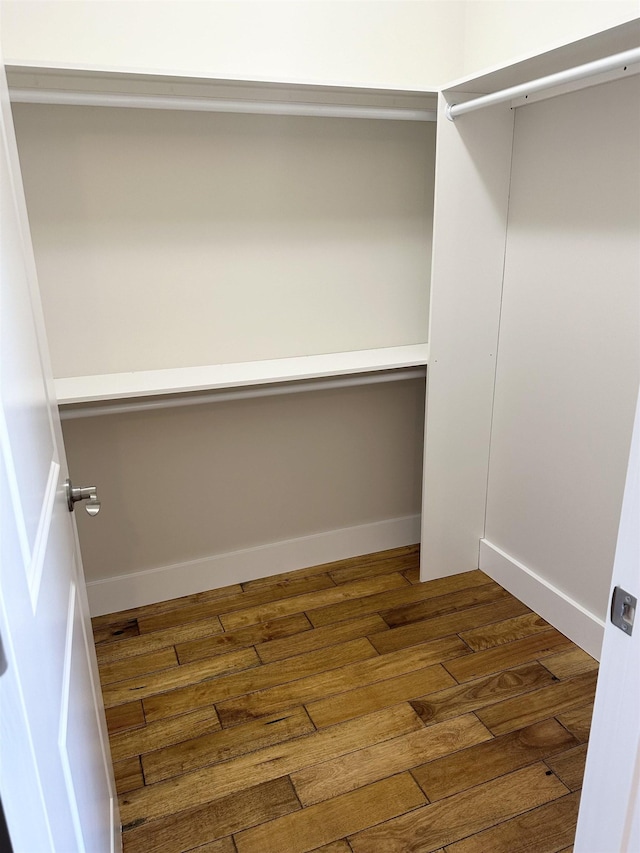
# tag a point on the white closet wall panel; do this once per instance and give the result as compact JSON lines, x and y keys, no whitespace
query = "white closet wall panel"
{"x":174,"y":239}
{"x":569,"y":348}
{"x":472,"y":193}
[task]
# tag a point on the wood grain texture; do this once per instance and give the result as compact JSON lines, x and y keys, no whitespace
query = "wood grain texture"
{"x":338,"y":681}
{"x":450,"y":623}
{"x":321,"y":638}
{"x":516,"y":713}
{"x":124,"y":717}
{"x":481,"y":693}
{"x":357,"y":769}
{"x":568,"y":664}
{"x":210,"y":756}
{"x":373,"y":697}
{"x":406,"y":595}
{"x":412,"y":575}
{"x":449,"y":820}
{"x":190,"y":674}
{"x":217,"y":690}
{"x":214,"y":820}
{"x":477,"y":764}
{"x":505,"y":656}
{"x":489,"y":636}
{"x":312,"y":600}
{"x":407,"y":562}
{"x":283,"y":579}
{"x":569,"y":767}
{"x":222,"y":845}
{"x":578,"y":720}
{"x":146,"y":610}
{"x":144,"y":643}
{"x":144,"y":664}
{"x":128,"y":774}
{"x":163,"y":733}
{"x":240,"y":600}
{"x":104,"y":632}
{"x":334,"y":847}
{"x":263,"y":765}
{"x":543,"y":830}
{"x":335,"y":818}
{"x":223,"y":745}
{"x":368,"y":561}
{"x":199,"y":649}
{"x":422,"y":605}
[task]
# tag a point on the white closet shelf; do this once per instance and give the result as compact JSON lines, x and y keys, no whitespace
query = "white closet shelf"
{"x":97,"y":87}
{"x":189,"y":380}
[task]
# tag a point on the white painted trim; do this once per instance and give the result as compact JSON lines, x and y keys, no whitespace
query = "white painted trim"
{"x":563,"y":612}
{"x":180,"y":380}
{"x":165,"y":582}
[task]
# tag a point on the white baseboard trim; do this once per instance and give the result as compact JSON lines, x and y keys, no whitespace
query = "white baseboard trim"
{"x":559,"y":609}
{"x":146,"y":587}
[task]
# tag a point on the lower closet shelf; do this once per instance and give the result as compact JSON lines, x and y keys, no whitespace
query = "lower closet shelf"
{"x":83,"y":396}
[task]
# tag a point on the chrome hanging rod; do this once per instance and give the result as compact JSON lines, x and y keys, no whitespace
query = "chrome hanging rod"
{"x":216,"y":105}
{"x":618,"y":61}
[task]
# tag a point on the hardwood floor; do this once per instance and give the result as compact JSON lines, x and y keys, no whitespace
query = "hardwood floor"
{"x":346,"y":708}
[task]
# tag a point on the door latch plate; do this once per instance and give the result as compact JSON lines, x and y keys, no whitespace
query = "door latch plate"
{"x":623,"y":610}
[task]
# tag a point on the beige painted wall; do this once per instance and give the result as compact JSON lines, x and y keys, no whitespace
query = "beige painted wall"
{"x":397,"y":43}
{"x":569,"y":348}
{"x":498,"y":32}
{"x":348,"y":457}
{"x":175,"y":239}
{"x":186,"y":483}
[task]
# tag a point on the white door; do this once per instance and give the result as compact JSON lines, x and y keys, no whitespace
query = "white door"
{"x":609,"y":819}
{"x":55,"y":773}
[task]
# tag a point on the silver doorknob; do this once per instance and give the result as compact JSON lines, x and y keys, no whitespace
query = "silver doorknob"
{"x":86,"y":493}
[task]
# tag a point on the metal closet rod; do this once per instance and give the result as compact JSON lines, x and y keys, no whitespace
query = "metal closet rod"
{"x":618,"y":61}
{"x":213,"y":105}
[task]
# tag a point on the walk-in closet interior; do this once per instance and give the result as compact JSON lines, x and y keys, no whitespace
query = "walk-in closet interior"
{"x":317,"y":280}
{"x":241,"y":300}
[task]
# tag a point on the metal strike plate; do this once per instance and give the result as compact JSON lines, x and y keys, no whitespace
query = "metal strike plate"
{"x":623,"y":610}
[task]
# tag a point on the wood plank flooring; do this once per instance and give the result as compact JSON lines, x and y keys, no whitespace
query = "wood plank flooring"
{"x":346,"y":708}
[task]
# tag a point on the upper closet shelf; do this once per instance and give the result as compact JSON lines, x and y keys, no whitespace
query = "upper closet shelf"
{"x":185,"y":380}
{"x":66,"y":86}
